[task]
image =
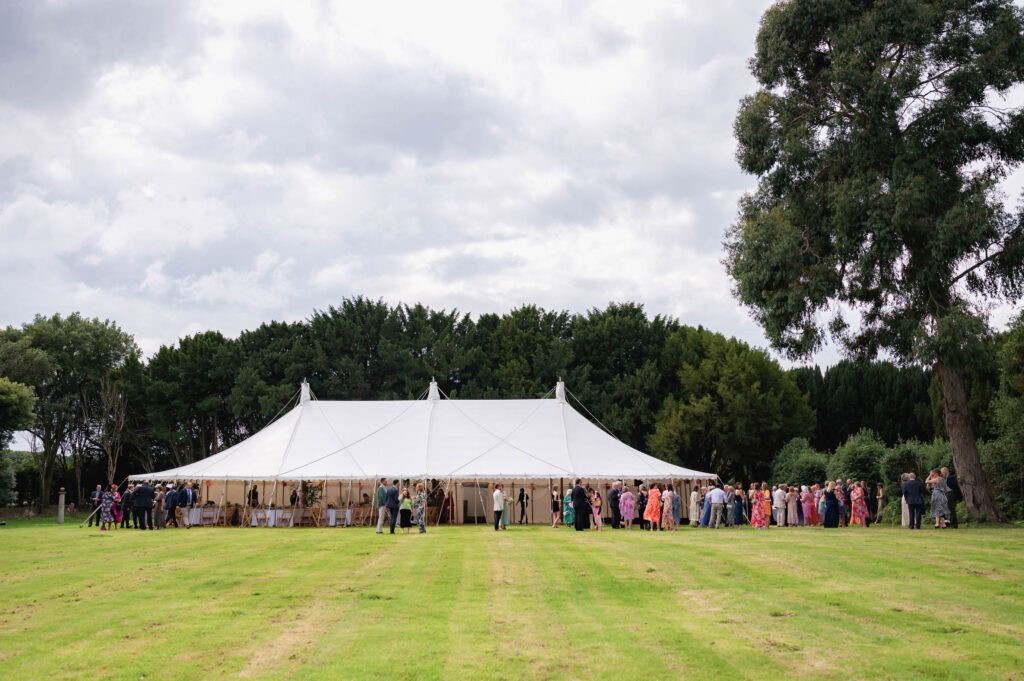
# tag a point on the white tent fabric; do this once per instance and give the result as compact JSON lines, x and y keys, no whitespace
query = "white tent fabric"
{"x":432,"y":438}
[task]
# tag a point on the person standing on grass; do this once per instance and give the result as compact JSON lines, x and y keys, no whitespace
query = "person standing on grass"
{"x":187,"y":499}
{"x":859,"y":514}
{"x":913,"y":492}
{"x":779,"y":505}
{"x":392,"y":504}
{"x":705,"y":513}
{"x":524,"y":499}
{"x":694,"y":507}
{"x":940,"y":506}
{"x":420,"y":508}
{"x":568,"y":514}
{"x":126,"y":507}
{"x":499,"y":506}
{"x":627,"y":507}
{"x":580,"y":506}
{"x":107,"y":502}
{"x":904,"y":506}
{"x":641,"y":506}
{"x":382,"y":504}
{"x":95,"y":501}
{"x":504,"y":508}
{"x":737,"y":503}
{"x":666,"y":507}
{"x":653,"y":512}
{"x":880,"y":503}
{"x":953,"y":497}
{"x":171,"y":504}
{"x":614,"y":499}
{"x":716,"y":497}
{"x":595,"y":507}
{"x":143,"y":502}
{"x":405,"y":510}
{"x":792,"y":514}
{"x":758,"y":519}
{"x":556,"y":508}
{"x":831,"y":505}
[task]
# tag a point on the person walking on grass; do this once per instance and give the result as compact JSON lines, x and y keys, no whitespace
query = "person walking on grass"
{"x":627,"y":508}
{"x":382,"y":504}
{"x":523,"y":501}
{"x":420,"y":508}
{"x":188,"y":499}
{"x":392,"y":502}
{"x":499,"y":506}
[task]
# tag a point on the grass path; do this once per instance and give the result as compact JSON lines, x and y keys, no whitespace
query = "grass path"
{"x":530,"y":603}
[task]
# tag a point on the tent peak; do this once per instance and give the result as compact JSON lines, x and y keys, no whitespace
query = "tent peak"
{"x":433,"y":393}
{"x":304,"y":393}
{"x":560,"y":391}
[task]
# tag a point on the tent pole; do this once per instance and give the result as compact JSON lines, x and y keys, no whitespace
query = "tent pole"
{"x":348,"y":499}
{"x":273,"y":491}
{"x":223,"y":492}
{"x":476,"y":518}
{"x":444,"y":500}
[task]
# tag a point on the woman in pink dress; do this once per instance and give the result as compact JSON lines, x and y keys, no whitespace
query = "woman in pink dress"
{"x":666,"y":505}
{"x":757,"y":517}
{"x":859,"y":513}
{"x":652,"y":513}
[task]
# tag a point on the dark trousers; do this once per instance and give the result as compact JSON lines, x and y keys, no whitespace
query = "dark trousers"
{"x":144,"y":518}
{"x":126,"y":516}
{"x":952,"y":500}
{"x":522,"y":513}
{"x":916,"y":511}
{"x":93,"y":514}
{"x":616,"y":517}
{"x":394,"y":518}
{"x":497,"y":520}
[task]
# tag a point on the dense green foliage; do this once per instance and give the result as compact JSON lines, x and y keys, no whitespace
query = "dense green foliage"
{"x":878,"y":134}
{"x":17,"y":402}
{"x":1004,"y":457}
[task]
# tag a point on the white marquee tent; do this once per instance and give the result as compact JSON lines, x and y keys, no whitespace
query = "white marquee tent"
{"x":434,"y":438}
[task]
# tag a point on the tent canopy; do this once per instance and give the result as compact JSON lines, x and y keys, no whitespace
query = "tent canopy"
{"x":431,"y":438}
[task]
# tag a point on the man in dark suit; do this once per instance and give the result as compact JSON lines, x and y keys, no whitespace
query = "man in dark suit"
{"x":94,"y":504}
{"x":392,"y":503}
{"x":953,"y":497}
{"x":187,"y":499}
{"x":581,"y":506}
{"x":171,"y":504}
{"x":613,"y":501}
{"x":913,"y":492}
{"x":127,"y":509}
{"x":143,"y":500}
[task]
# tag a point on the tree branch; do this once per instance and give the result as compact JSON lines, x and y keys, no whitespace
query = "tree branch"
{"x":975,"y":266}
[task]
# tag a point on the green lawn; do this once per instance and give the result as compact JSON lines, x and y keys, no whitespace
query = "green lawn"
{"x":529,"y":603}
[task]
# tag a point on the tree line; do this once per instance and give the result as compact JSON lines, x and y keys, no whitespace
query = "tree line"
{"x":98,"y":410}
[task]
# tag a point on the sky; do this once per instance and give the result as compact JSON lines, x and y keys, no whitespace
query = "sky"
{"x":178,"y":167}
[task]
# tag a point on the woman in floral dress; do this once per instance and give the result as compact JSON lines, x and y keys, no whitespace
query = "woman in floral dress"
{"x":106,"y":510}
{"x":419,"y":508}
{"x":666,"y":506}
{"x":652,"y":513}
{"x":627,"y":507}
{"x":859,"y":513}
{"x":757,"y":516}
{"x":568,"y":514}
{"x":807,"y":503}
{"x":595,"y":506}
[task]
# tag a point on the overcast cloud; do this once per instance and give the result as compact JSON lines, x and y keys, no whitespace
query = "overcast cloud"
{"x":179,"y":167}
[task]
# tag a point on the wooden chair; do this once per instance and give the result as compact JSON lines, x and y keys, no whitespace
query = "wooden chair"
{"x":316,"y":516}
{"x":260,"y":517}
{"x":357,"y":517}
{"x":284,"y":518}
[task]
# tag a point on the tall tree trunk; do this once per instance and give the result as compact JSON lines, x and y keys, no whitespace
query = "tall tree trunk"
{"x":981,"y":504}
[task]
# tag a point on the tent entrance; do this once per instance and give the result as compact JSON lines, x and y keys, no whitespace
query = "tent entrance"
{"x":475,"y":497}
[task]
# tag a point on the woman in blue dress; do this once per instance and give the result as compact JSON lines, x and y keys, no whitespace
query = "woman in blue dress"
{"x":705,"y":516}
{"x":737,"y":513}
{"x":831,"y":506}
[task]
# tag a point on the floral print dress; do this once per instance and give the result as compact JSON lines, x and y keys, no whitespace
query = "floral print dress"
{"x":568,"y":514}
{"x":757,"y":516}
{"x":419,"y":511}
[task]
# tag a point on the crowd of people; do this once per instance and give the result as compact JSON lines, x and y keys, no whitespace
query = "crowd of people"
{"x":654,"y":506}
{"x":831,"y":504}
{"x":143,"y":506}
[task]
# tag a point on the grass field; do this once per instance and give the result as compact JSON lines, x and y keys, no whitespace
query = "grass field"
{"x":529,"y":603}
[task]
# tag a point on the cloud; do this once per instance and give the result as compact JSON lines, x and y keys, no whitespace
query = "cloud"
{"x":213,"y":165}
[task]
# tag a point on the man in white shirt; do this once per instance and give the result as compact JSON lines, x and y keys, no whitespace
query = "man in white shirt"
{"x":717,"y":499}
{"x":779,"y":505}
{"x":499,"y":504}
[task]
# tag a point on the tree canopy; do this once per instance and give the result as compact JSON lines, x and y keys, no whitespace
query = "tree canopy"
{"x":878,"y":136}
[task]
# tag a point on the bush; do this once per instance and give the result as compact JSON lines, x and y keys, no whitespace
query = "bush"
{"x":859,"y":458}
{"x":7,"y":492}
{"x":799,"y":463}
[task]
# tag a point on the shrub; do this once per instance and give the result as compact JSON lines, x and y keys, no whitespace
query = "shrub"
{"x":799,"y":463}
{"x":859,"y":458}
